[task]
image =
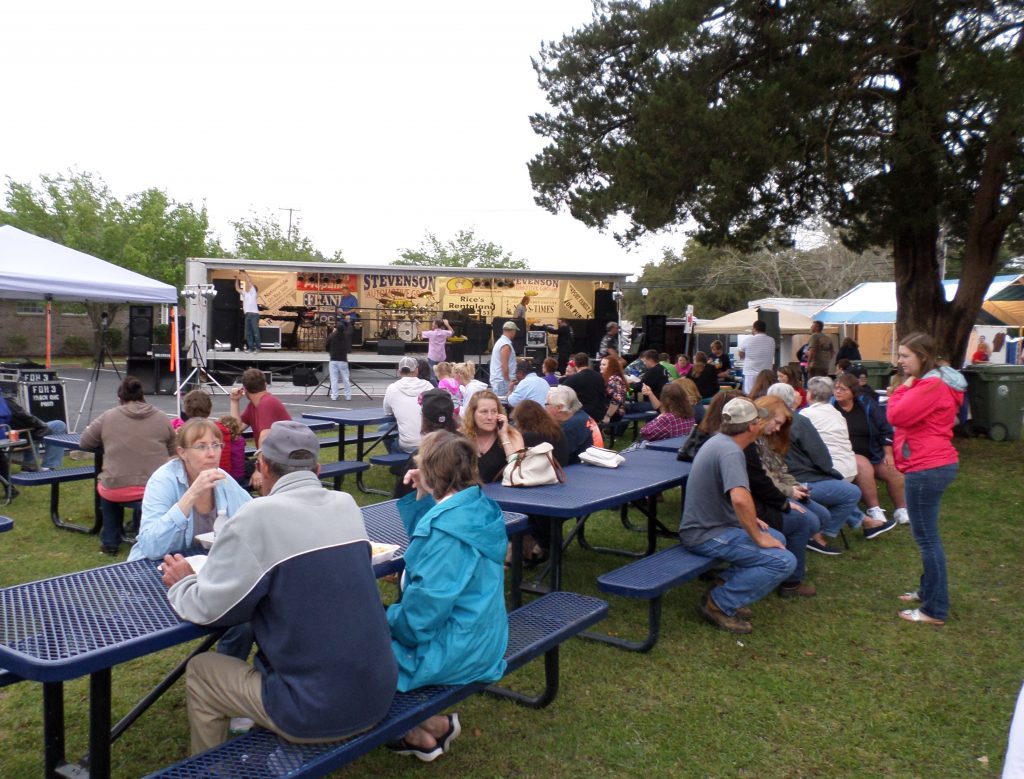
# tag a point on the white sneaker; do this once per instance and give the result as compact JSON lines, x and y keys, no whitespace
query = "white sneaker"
{"x":901,"y":516}
{"x":877,"y":513}
{"x":240,"y":725}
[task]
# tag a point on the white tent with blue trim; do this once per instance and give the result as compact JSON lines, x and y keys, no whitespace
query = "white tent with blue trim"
{"x":33,"y":268}
{"x":874,"y":302}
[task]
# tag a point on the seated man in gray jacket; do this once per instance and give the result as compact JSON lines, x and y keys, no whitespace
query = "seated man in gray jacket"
{"x":296,"y":564}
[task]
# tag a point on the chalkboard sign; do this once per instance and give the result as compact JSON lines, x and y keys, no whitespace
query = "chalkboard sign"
{"x":45,"y":399}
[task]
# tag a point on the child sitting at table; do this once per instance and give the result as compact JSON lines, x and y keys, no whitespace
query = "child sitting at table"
{"x":235,"y":443}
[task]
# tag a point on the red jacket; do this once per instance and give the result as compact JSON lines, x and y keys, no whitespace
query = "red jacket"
{"x":922,"y":417}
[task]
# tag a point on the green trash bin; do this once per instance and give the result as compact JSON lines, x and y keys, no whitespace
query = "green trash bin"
{"x":879,"y":372}
{"x":996,"y":395}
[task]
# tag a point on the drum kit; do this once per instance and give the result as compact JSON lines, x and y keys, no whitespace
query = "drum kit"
{"x":401,"y":317}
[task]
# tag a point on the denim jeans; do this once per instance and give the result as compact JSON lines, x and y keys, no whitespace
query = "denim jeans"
{"x":252,"y":331}
{"x":53,"y":455}
{"x":798,"y":529}
{"x":841,"y":499}
{"x":755,"y":571}
{"x":924,"y":494}
{"x":113,"y":521}
{"x":499,"y":387}
{"x":339,"y":376}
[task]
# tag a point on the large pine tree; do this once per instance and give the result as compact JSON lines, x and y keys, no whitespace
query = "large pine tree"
{"x":895,"y":120}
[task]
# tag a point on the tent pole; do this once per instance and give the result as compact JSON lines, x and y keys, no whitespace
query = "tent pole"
{"x":174,"y":357}
{"x":49,"y":331}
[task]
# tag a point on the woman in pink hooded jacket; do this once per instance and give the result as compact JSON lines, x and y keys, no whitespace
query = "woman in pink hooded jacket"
{"x":923,"y":411}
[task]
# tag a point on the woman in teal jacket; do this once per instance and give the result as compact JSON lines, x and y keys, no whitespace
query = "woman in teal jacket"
{"x":450,"y":626}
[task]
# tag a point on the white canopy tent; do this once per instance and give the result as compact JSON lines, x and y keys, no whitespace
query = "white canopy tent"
{"x":32,"y":268}
{"x":739,"y":322}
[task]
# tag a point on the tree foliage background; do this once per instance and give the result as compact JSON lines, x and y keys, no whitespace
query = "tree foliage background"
{"x":892,"y":121}
{"x":262,"y":237}
{"x":464,"y":250}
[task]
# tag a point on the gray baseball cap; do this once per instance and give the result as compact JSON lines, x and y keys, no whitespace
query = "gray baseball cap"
{"x":291,"y":443}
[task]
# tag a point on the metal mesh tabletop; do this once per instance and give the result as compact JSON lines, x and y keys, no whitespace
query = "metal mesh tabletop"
{"x":589,"y":488}
{"x":61,"y":628}
{"x":64,"y":440}
{"x":354,"y":416}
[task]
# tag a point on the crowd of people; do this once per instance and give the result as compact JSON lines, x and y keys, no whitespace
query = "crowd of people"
{"x":777,"y":471}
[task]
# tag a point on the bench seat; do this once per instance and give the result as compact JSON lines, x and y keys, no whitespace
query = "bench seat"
{"x":338,"y":470}
{"x":649,"y":578}
{"x":534,"y":629}
{"x":390,"y":459}
{"x":6,"y":523}
{"x":55,"y":478}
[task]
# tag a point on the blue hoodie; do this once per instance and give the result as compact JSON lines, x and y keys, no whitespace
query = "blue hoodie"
{"x":450,"y":626}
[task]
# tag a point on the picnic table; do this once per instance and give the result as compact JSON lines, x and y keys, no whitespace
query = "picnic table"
{"x":360,"y":418}
{"x":587,"y":489}
{"x":86,"y":623}
{"x":667,"y":444}
{"x":72,"y":441}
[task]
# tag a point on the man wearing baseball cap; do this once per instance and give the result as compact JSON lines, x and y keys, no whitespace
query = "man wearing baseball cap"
{"x":503,"y":360}
{"x":402,"y":398}
{"x":719,"y":521}
{"x":324,"y":669}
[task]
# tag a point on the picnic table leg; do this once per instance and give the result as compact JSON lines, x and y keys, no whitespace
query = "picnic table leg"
{"x":581,"y":539}
{"x":362,"y":451}
{"x":165,"y":684}
{"x":653,"y":630}
{"x":98,"y":759}
{"x":58,"y":522}
{"x":534,"y":701}
{"x":53,"y":728}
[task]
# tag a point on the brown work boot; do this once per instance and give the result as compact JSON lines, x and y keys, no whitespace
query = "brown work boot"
{"x":802,"y":590}
{"x":710,"y":611}
{"x":743,"y":612}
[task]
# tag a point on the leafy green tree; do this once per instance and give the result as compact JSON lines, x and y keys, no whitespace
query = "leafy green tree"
{"x":889,"y":120}
{"x":148,"y":233}
{"x":465,"y":250}
{"x":261,"y":237}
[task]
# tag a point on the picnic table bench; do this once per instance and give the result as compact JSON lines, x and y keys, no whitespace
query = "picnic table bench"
{"x":55,"y":478}
{"x":338,"y":470}
{"x":649,"y":578}
{"x":534,"y":629}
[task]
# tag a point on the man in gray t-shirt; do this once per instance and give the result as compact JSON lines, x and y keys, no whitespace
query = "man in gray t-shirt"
{"x":719,"y":521}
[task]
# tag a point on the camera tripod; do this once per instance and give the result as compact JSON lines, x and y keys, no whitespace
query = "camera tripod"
{"x":199,"y":371}
{"x":102,"y":354}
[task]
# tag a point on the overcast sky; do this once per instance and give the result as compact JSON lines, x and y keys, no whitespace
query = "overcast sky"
{"x":376,"y":121}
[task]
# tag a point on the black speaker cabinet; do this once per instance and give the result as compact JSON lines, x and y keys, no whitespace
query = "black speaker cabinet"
{"x":605,"y":310}
{"x":771,"y":321}
{"x":155,"y":375}
{"x":586,"y":335}
{"x":654,"y":332}
{"x":392,"y":346}
{"x":140,"y":330}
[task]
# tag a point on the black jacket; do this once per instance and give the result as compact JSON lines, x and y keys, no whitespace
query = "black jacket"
{"x":339,"y":342}
{"x":590,"y":389}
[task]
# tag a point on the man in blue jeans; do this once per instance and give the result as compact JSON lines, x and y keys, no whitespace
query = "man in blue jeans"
{"x":719,"y":521}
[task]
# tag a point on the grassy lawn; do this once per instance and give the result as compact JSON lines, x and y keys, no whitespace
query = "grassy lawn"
{"x":832,"y":686}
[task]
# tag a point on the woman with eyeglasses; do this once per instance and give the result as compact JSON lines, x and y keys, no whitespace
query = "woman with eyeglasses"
{"x":136,"y":439}
{"x":184,"y":496}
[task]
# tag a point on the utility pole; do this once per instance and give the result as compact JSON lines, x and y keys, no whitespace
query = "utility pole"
{"x":290,"y":212}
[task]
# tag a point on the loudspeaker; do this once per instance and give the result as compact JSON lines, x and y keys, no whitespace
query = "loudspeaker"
{"x":478,"y":336}
{"x":654,"y":332}
{"x":586,"y":335}
{"x":154,"y":375}
{"x":140,"y":330}
{"x":305,"y":377}
{"x":227,"y":298}
{"x":392,"y":346}
{"x":771,"y":321}
{"x":605,"y":310}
